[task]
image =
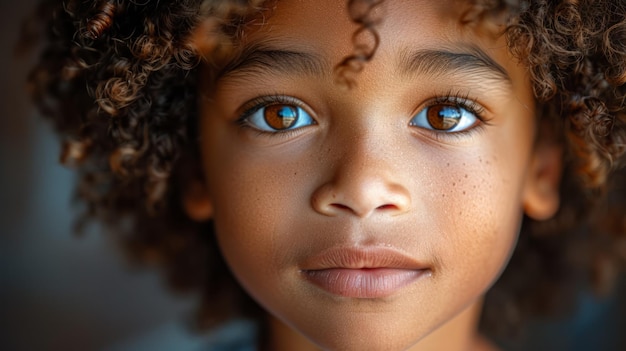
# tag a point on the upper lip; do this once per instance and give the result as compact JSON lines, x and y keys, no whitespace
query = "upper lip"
{"x":370,"y":257}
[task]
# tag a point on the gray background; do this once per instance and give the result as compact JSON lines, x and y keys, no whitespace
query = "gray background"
{"x":58,"y":291}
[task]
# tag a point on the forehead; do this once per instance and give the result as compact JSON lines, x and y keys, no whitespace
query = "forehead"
{"x":407,"y":30}
{"x":326,"y":22}
{"x":400,"y":27}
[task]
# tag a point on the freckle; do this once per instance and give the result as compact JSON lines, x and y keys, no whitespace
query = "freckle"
{"x":448,"y":164}
{"x":464,"y":192}
{"x":466,"y":176}
{"x":453,"y":184}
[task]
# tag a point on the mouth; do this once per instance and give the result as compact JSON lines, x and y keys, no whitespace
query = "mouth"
{"x":366,"y":273}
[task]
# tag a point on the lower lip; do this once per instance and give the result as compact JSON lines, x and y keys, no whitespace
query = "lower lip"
{"x":365,"y":283}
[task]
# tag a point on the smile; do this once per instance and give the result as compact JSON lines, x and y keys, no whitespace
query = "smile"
{"x":362,"y":273}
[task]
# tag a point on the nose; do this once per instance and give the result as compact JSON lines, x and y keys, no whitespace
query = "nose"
{"x":364,"y":183}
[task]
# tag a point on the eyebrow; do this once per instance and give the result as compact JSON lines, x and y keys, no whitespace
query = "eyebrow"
{"x":258,"y":59}
{"x":472,"y":60}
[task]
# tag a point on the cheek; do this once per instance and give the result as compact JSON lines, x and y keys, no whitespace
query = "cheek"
{"x":256,"y":203}
{"x":479,"y":211}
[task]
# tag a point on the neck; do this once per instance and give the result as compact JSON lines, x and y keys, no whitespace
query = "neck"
{"x":458,"y":334}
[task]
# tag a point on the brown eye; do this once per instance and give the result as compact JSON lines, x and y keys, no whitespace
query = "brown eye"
{"x":280,"y":117}
{"x":444,"y":117}
{"x":277,"y":116}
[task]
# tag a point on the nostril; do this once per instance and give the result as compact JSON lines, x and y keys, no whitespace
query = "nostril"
{"x":341,"y":207}
{"x":387,"y":207}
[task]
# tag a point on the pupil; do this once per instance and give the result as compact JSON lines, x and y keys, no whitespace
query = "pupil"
{"x":444,"y":117}
{"x":281,"y":116}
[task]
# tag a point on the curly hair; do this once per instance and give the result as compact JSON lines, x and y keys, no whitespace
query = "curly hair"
{"x":119,"y":81}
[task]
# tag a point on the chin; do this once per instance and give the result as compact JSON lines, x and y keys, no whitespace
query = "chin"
{"x":363,"y":332}
{"x":368,"y":342}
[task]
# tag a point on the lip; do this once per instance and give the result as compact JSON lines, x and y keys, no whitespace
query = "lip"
{"x":367,"y":273}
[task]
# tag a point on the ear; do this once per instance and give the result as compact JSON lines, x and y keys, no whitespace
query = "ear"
{"x":197,"y":202}
{"x":541,"y":196}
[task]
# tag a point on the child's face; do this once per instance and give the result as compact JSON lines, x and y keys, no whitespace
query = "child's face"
{"x":358,"y":225}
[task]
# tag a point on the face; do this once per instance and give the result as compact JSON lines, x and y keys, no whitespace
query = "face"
{"x":367,"y":218}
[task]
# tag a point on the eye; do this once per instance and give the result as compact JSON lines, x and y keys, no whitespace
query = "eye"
{"x":445,"y":118}
{"x":279,"y":117}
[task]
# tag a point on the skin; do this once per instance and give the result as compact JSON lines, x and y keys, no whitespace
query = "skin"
{"x":362,"y":176}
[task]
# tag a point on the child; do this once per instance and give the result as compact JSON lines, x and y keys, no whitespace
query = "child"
{"x":361,"y":170}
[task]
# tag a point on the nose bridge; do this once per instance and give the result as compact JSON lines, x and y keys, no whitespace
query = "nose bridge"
{"x":368,"y":154}
{"x":364,"y":178}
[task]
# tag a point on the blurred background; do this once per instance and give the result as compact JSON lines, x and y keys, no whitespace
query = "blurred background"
{"x":59,"y":291}
{"x":62,"y":292}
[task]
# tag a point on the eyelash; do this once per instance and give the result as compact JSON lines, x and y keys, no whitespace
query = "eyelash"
{"x":461,"y":100}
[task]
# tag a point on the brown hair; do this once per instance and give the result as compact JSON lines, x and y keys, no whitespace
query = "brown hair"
{"x":119,"y":81}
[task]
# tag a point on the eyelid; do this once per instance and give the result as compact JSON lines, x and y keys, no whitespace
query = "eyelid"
{"x":259,"y":102}
{"x":461,"y":100}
